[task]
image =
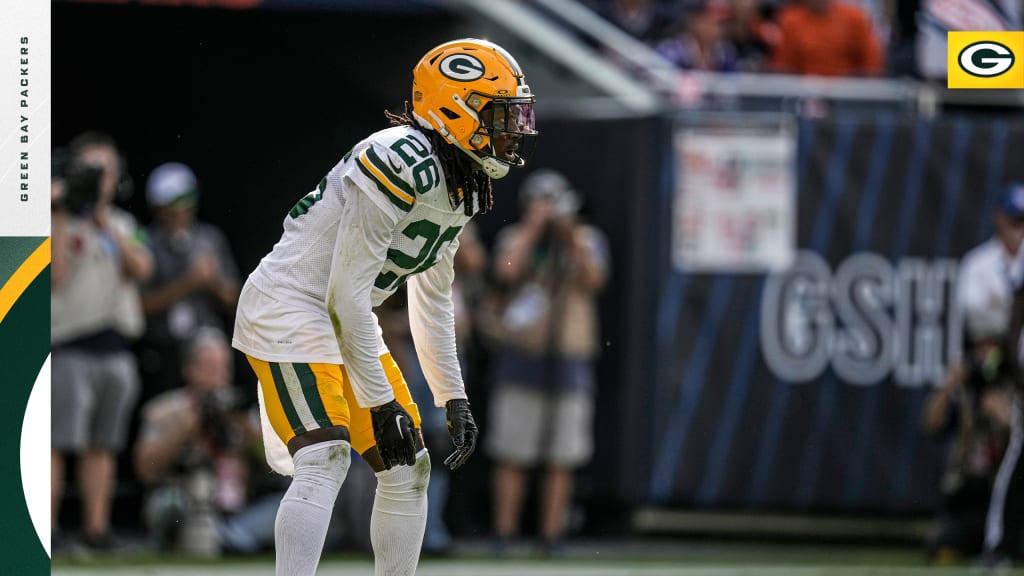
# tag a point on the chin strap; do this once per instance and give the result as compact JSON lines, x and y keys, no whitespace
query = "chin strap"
{"x":493,"y":167}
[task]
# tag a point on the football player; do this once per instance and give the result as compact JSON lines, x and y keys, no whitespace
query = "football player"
{"x":389,"y":213}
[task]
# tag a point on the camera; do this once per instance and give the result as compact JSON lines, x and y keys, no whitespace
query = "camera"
{"x":988,"y":368}
{"x":83,"y":187}
{"x":217,"y":408}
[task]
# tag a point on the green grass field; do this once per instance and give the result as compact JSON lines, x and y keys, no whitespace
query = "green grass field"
{"x":664,"y":558}
{"x":516,"y":568}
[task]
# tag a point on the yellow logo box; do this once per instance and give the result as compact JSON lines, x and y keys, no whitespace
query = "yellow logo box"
{"x":985,"y":59}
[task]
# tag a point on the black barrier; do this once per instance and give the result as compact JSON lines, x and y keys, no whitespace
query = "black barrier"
{"x":802,"y":390}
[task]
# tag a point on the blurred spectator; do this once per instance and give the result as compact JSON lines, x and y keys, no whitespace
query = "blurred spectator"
{"x":976,"y":405}
{"x":938,"y":17}
{"x":901,"y":56}
{"x":643,"y":19}
{"x":990,"y":272}
{"x":753,"y":35}
{"x":552,"y":267}
{"x":195,"y":281}
{"x":192,"y":454}
{"x":972,"y":409}
{"x":1004,"y":526}
{"x":699,"y":41}
{"x":470,"y":261}
{"x":470,"y":268}
{"x":97,"y":258}
{"x":827,"y":38}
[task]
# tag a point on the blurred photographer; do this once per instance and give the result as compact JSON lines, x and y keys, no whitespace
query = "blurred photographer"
{"x":191,"y":451}
{"x":972,"y":411}
{"x":978,"y":406}
{"x":551,"y":267}
{"x":97,"y":260}
{"x":195,"y":279}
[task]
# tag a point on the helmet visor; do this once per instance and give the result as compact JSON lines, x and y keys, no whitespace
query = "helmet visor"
{"x":512,"y":129}
{"x":520,"y":118}
{"x":508,"y":116}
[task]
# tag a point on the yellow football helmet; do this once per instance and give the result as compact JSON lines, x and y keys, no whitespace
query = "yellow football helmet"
{"x":472,"y":92}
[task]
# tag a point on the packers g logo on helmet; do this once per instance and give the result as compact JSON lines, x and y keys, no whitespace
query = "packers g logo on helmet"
{"x":462,"y":67}
{"x":457,"y":84}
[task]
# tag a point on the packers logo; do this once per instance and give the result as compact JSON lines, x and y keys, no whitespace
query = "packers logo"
{"x":462,"y":67}
{"x":985,"y":59}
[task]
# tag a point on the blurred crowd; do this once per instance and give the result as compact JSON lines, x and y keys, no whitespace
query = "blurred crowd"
{"x":144,"y":375}
{"x":898,"y":38}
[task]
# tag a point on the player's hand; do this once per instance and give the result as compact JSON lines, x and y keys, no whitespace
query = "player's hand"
{"x":462,"y":428}
{"x":392,"y":428}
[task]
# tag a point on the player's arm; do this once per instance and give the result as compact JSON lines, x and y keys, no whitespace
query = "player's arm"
{"x":432,"y":323}
{"x":360,"y":251}
{"x":377,"y":200}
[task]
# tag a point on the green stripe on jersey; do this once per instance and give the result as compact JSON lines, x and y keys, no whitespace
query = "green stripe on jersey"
{"x":405,"y":206}
{"x":389,"y":172}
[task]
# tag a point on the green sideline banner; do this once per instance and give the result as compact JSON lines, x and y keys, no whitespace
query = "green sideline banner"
{"x":801,"y":389}
{"x":25,"y":286}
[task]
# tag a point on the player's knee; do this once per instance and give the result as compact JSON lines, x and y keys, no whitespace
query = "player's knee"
{"x":324,"y":464}
{"x":406,"y":483}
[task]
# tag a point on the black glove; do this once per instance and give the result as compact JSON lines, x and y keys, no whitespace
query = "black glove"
{"x":393,"y":431}
{"x":463,"y":431}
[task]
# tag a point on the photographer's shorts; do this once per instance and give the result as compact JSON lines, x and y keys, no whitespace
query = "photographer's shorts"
{"x":300,"y":397}
{"x":529,"y":425}
{"x":93,"y":395}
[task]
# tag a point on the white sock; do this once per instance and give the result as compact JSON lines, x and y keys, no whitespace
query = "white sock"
{"x":400,"y":517}
{"x":306,"y":508}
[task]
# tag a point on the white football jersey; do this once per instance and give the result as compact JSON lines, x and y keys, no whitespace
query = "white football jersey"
{"x":379,"y":219}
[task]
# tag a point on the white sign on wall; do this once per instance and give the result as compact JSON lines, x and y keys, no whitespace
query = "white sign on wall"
{"x":735,"y":198}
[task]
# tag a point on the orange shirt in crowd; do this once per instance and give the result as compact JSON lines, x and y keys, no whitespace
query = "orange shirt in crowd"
{"x":837,"y":41}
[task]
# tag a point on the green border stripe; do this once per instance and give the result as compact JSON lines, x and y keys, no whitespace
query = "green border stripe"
{"x":394,"y":199}
{"x":312,"y":394}
{"x":14,"y":250}
{"x":286,"y":400}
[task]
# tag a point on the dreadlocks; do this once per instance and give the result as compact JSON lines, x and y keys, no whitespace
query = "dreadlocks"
{"x":461,"y":174}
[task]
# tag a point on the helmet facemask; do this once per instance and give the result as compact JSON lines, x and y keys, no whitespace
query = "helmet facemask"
{"x":506,"y":134}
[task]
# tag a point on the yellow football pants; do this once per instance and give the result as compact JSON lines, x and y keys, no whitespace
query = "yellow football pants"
{"x":300,"y":397}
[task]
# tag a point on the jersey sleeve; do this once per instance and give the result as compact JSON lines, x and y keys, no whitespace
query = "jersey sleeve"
{"x":383,"y":174}
{"x":360,"y":250}
{"x":432,"y":322}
